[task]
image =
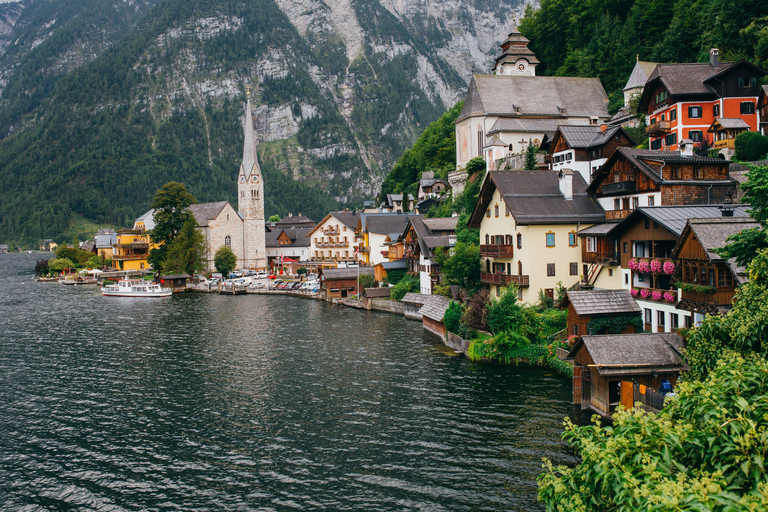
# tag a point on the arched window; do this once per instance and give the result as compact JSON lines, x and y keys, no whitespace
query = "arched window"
{"x":480,"y":141}
{"x":227,"y":242}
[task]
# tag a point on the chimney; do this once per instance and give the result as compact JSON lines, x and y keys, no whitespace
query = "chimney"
{"x":565,"y":177}
{"x":290,"y":214}
{"x":603,"y":127}
{"x":686,"y":147}
{"x":714,"y":57}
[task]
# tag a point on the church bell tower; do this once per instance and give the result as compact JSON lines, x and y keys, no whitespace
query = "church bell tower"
{"x":250,"y":203}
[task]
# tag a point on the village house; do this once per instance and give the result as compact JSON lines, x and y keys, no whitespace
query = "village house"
{"x":333,"y":238}
{"x":513,"y":107}
{"x":601,"y":312}
{"x":288,"y":244}
{"x":635,"y":85}
{"x":528,"y":223}
{"x":724,"y":131}
{"x":292,"y":221}
{"x":632,"y":178}
{"x":131,"y":248}
{"x":341,"y":283}
{"x":643,"y":263}
{"x":422,"y":239}
{"x":682,"y":100}
{"x":602,"y":363}
{"x":375,"y":231}
{"x":105,"y":239}
{"x":708,"y":281}
{"x":585,"y":148}
{"x":393,"y":203}
{"x":429,"y":186}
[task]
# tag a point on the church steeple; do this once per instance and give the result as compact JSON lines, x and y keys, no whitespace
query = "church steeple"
{"x":250,"y":204}
{"x":516,"y":58}
{"x":250,"y":164}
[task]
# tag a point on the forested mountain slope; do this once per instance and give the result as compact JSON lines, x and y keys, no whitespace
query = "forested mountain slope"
{"x":103,"y":101}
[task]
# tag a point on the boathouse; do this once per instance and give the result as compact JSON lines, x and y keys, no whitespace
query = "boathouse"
{"x":432,"y":313}
{"x":413,"y":302}
{"x":602,"y":312}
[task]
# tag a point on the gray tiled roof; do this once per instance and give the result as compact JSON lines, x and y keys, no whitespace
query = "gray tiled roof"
{"x":384,"y":223}
{"x":586,"y":136}
{"x":731,"y":123}
{"x":415,"y":298}
{"x":349,"y":219}
{"x":535,"y":95}
{"x":598,"y":229}
{"x":508,"y":124}
{"x":434,"y":308}
{"x":295,"y":220}
{"x":534,"y":197}
{"x":376,"y":292}
{"x":640,"y":74}
{"x":149,"y":219}
{"x":688,"y":78}
{"x":713,"y":233}
{"x":603,"y":302}
{"x":622,"y":354}
{"x":205,"y":212}
{"x":391,"y":265}
{"x":345,"y":273}
{"x":674,"y":218}
{"x":441,"y":223}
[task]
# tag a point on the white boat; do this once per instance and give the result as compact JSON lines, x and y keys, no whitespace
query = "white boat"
{"x":135,"y":288}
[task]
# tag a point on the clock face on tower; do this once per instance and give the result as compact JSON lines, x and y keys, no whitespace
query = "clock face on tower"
{"x":254,"y":179}
{"x":521,"y":66}
{"x":242,"y":179}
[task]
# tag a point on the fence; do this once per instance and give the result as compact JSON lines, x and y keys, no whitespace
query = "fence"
{"x":652,"y":399}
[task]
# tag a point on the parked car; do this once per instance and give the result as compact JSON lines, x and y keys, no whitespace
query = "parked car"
{"x":272,"y":276}
{"x":282,"y":286}
{"x":262,"y":275}
{"x":257,"y":285}
{"x":275,"y":284}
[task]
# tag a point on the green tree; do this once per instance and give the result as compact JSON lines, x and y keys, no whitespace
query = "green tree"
{"x":750,"y":146}
{"x":225,"y":261}
{"x":405,"y":285}
{"x":59,"y":264}
{"x":461,"y":266}
{"x":745,"y":245}
{"x":452,"y":318}
{"x":185,"y":253}
{"x":704,"y":451}
{"x":302,"y":271}
{"x":367,"y":281}
{"x":530,"y":157}
{"x":93,"y":262}
{"x":505,"y":312}
{"x":171,"y":211}
{"x":274,"y":218}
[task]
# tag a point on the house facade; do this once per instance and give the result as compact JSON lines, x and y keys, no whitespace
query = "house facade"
{"x":333,"y":238}
{"x":601,"y":312}
{"x":682,"y":100}
{"x":529,"y":223}
{"x":422,"y":239}
{"x":375,"y":232}
{"x":585,"y":148}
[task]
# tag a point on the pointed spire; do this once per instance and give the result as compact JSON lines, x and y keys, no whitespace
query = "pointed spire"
{"x":250,"y":164}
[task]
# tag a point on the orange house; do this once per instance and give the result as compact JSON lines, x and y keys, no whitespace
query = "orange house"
{"x":683,"y":100}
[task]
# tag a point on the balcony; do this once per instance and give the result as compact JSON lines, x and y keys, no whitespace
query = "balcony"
{"x":619,"y":187}
{"x":497,"y":251}
{"x":659,"y":128}
{"x":129,"y":257}
{"x":133,"y":245}
{"x":616,"y":214}
{"x":724,"y":143}
{"x":655,"y":295}
{"x":504,"y":279}
{"x":365,"y":249}
{"x":331,"y":231}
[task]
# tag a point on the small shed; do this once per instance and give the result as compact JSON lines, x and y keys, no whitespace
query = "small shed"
{"x":601,"y":363}
{"x":176,"y":282}
{"x":381,"y":269}
{"x":374,"y":293}
{"x":340,"y":283}
{"x":413,"y":302}
{"x":432,"y":313}
{"x":601,"y":312}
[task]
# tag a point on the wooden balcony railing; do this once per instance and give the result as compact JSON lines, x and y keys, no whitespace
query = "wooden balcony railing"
{"x":619,"y":187}
{"x":365,"y":249}
{"x":497,"y":251}
{"x":133,"y":245}
{"x":331,"y":231}
{"x":724,"y":143}
{"x":504,"y":279}
{"x":616,"y":214}
{"x":127,"y":257}
{"x":658,"y":128}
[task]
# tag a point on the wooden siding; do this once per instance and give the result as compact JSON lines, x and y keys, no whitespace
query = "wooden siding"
{"x":433,"y":327}
{"x":639,"y":233}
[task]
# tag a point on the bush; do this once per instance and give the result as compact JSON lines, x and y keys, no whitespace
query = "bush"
{"x":367,"y":281}
{"x":476,"y":313}
{"x":704,"y":451}
{"x":751,"y":146}
{"x":59,"y":264}
{"x":302,"y":270}
{"x":506,"y":347}
{"x":504,"y":313}
{"x":452,"y":318}
{"x":405,"y":285}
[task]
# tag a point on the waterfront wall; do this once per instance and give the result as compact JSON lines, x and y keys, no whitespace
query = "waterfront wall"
{"x":388,"y":305}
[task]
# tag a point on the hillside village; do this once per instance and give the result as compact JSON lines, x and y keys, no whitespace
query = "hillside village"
{"x":605,"y":229}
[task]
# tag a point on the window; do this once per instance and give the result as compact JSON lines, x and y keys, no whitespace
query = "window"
{"x":496,"y":210}
{"x":741,"y":82}
{"x":673,"y":321}
{"x":747,"y":107}
{"x":671,"y":139}
{"x":487,"y":239}
{"x":617,"y":204}
{"x":591,"y":243}
{"x":625,"y":247}
{"x":635,"y":203}
{"x":696,"y":135}
{"x":716,"y":110}
{"x":724,"y":277}
{"x":656,"y":144}
{"x":519,"y":241}
{"x":647,"y":224}
{"x":575,"y":330}
{"x":610,"y":272}
{"x":488,"y":213}
{"x":753,"y":82}
{"x":660,"y":318}
{"x":674,"y":173}
{"x":647,"y":314}
{"x":550,"y":239}
{"x":480,"y":142}
{"x":694,"y":112}
{"x":663,"y":117}
{"x":697,"y":174}
{"x":550,"y":269}
{"x":506,"y":210}
{"x":673,"y":114}
{"x":572,"y":239}
{"x":651,"y":200}
{"x":626,"y":278}
{"x":574,"y":268}
{"x":227,"y":241}
{"x":688,"y":321}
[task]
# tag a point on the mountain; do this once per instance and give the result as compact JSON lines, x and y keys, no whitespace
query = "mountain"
{"x":103,"y":101}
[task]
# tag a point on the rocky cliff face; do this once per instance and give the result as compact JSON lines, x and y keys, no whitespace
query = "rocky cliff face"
{"x":340,"y":87}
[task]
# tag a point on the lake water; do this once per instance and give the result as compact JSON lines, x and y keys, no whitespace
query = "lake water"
{"x":208,"y":402}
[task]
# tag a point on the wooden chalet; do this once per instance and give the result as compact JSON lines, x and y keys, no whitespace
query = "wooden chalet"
{"x":724,"y":131}
{"x":374,"y":293}
{"x":709,"y":281}
{"x":340,"y":283}
{"x":585,"y":148}
{"x":601,"y":363}
{"x":632,"y":178}
{"x":585,"y":306}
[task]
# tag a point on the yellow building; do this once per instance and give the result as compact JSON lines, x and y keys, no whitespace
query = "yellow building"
{"x":528,"y":223}
{"x":131,"y":250}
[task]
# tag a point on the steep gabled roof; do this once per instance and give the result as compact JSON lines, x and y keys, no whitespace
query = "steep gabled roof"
{"x":674,"y":218}
{"x":534,"y":197}
{"x":441,"y":223}
{"x":587,"y":136}
{"x":550,"y":96}
{"x":434,"y":308}
{"x":205,"y":212}
{"x":633,"y":354}
{"x":640,"y":74}
{"x":382,"y":223}
{"x":349,"y":219}
{"x":728,"y":123}
{"x":602,"y":302}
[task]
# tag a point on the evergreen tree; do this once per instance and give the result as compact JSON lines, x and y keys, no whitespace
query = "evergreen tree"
{"x":225,"y":261}
{"x":530,"y":157}
{"x":185,"y":253}
{"x":171,"y":211}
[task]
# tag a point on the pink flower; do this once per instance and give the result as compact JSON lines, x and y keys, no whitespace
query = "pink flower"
{"x":644,"y":266}
{"x":656,"y":295}
{"x":669,"y":296}
{"x":655,"y":266}
{"x":669,"y":267}
{"x":645,"y":292}
{"x":632,"y":264}
{"x":635,"y":292}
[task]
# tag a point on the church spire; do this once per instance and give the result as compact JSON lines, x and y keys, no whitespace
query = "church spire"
{"x":250,"y":164}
